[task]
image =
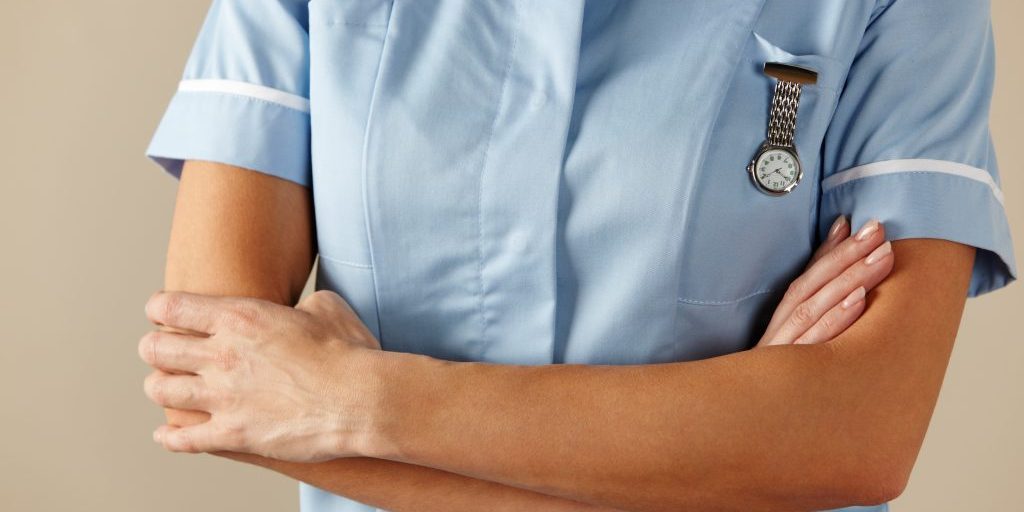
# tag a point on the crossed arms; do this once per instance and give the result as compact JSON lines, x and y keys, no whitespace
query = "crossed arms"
{"x":778,"y":428}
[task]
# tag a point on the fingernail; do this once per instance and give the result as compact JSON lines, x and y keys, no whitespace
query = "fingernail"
{"x":879,"y":252}
{"x":156,"y":436}
{"x":854,"y":297}
{"x":870,"y":227}
{"x":836,"y":226}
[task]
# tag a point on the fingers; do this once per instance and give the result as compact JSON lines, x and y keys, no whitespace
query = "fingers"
{"x":185,"y":417}
{"x":195,"y":439}
{"x":839,"y":231}
{"x":828,"y":267}
{"x":837,"y":319}
{"x":867,"y":272}
{"x":177,"y":391}
{"x":175,"y":352}
{"x":183,"y":310}
{"x":204,"y":313}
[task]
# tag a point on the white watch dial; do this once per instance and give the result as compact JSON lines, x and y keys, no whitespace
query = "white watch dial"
{"x":777,"y":169}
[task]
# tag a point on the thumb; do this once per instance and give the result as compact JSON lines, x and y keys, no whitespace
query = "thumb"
{"x":324,"y":303}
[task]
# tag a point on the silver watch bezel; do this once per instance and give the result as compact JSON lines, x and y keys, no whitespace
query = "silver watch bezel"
{"x":765,"y":147}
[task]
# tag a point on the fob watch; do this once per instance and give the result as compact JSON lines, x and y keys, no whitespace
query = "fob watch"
{"x":776,"y":167}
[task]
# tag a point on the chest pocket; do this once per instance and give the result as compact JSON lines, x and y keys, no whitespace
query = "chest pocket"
{"x":743,"y":247}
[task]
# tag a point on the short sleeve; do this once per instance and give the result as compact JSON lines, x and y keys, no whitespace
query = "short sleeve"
{"x":244,"y":96}
{"x":909,"y":143}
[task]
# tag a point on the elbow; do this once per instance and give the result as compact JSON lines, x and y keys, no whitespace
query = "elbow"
{"x":866,"y":486}
{"x":866,"y":463}
{"x":873,"y":452}
{"x":880,"y":486}
{"x":877,"y":476}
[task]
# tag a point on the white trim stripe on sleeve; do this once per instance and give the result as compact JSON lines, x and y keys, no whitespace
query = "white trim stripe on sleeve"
{"x":912,"y":165}
{"x":285,"y":99}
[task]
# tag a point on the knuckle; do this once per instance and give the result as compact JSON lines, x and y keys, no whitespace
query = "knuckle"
{"x":226,"y":359}
{"x":206,"y":397}
{"x":155,"y":388}
{"x":803,"y":314}
{"x":203,"y":397}
{"x":828,"y":323}
{"x":213,"y":398}
{"x":835,"y":256}
{"x":169,"y":307}
{"x":816,"y":257}
{"x":231,"y":397}
{"x":233,"y":435}
{"x":243,"y":315}
{"x":795,"y":289}
{"x":846,"y":280}
{"x":187,"y":394}
{"x":184,"y":441}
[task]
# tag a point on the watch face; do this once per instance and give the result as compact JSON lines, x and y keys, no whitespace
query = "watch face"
{"x":777,"y":170}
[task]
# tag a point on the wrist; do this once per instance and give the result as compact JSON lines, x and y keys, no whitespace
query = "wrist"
{"x":354,"y":383}
{"x":405,"y":401}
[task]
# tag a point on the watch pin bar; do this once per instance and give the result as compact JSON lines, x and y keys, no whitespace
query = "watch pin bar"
{"x":790,"y":73}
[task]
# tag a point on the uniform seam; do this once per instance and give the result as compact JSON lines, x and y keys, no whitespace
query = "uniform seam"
{"x":711,"y":131}
{"x":244,"y":97}
{"x":368,"y":129}
{"x":995,"y":192}
{"x":483,"y":169}
{"x":723,"y":302}
{"x":346,"y":262}
{"x":335,"y":23}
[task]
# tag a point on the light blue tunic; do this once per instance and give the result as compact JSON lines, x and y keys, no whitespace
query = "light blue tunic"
{"x":541,"y":181}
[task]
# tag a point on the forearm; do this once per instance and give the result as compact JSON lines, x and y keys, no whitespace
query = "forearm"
{"x":739,"y":432}
{"x":236,"y":233}
{"x":401,"y":487}
{"x":776,"y":428}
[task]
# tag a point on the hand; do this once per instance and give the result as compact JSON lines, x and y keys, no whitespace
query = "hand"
{"x":830,"y":295}
{"x":284,"y":383}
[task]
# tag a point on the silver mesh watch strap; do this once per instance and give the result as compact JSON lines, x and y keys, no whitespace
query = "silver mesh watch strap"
{"x":782,"y":123}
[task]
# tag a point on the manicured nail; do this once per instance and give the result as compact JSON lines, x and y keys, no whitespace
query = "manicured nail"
{"x":836,"y":226}
{"x":854,"y":297}
{"x":870,"y":227}
{"x":879,"y":252}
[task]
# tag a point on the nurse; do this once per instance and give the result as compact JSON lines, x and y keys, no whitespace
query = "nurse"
{"x":523,"y":205}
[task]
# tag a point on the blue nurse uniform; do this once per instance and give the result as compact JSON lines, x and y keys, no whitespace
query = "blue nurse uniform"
{"x":537,"y":181}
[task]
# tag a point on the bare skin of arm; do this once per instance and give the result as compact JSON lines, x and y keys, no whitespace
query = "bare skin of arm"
{"x":226,"y":211}
{"x":793,"y":427}
{"x":242,"y":233}
{"x":790,"y":427}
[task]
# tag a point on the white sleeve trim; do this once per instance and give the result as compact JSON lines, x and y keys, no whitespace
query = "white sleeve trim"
{"x":285,"y":99}
{"x":912,"y":165}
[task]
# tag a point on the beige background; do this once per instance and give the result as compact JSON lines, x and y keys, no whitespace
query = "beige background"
{"x":84,"y":219}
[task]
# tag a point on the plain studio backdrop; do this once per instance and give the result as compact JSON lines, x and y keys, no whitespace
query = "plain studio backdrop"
{"x":84,"y":221}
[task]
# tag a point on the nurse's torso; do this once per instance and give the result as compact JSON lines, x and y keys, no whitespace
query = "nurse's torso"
{"x":537,"y":182}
